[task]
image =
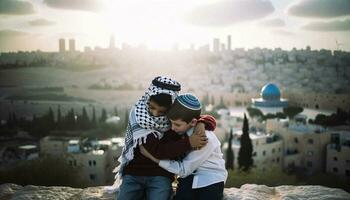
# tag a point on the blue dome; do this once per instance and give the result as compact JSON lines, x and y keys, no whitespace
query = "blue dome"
{"x":270,"y":92}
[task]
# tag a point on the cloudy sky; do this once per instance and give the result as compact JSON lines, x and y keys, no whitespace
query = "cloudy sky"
{"x":159,"y":24}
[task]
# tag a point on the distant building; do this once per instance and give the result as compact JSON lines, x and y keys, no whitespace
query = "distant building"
{"x":304,"y":144}
{"x":229,"y":48}
{"x":95,"y":159}
{"x":216,"y":45}
{"x":267,"y":150}
{"x":338,"y":153}
{"x":61,"y":45}
{"x":71,"y":45}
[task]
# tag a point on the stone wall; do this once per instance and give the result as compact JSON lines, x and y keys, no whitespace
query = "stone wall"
{"x":247,"y":192}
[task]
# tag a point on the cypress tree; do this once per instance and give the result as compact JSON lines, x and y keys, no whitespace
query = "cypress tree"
{"x":59,"y":118}
{"x":229,"y":153}
{"x":84,"y":119}
{"x":245,"y":160}
{"x":103,"y":116}
{"x":93,"y":120}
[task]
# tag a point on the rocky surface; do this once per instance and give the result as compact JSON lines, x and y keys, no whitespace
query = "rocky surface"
{"x":246,"y":192}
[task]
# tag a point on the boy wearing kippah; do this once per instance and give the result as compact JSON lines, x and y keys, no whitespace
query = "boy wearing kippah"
{"x":202,"y":172}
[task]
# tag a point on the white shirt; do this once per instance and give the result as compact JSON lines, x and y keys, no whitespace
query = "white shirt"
{"x":208,"y":163}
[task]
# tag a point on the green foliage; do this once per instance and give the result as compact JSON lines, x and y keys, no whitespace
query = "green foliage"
{"x":292,"y":111}
{"x":245,"y":160}
{"x":341,"y":117}
{"x":221,"y":104}
{"x":103,"y":115}
{"x":229,"y":153}
{"x":270,"y":177}
{"x":46,"y":171}
{"x":254,"y":112}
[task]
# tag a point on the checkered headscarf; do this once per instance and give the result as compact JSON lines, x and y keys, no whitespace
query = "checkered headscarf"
{"x":142,"y":123}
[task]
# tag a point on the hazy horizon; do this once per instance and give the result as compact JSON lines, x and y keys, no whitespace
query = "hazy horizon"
{"x":38,"y":24}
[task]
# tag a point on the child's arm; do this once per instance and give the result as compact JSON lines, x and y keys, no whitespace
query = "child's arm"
{"x":163,"y":149}
{"x":190,"y":163}
{"x":171,"y":149}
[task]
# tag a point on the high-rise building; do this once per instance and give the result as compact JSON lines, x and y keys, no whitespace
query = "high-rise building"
{"x":61,"y":45}
{"x":229,"y":43}
{"x":216,"y":45}
{"x":112,"y":42}
{"x":71,"y":45}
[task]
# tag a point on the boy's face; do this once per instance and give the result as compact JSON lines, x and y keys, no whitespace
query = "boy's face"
{"x":180,"y":126}
{"x":156,"y":110}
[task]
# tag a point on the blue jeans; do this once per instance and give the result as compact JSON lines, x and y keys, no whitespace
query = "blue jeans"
{"x":145,"y":187}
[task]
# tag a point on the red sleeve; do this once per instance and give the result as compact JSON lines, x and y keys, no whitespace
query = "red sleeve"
{"x":209,"y":121}
{"x":167,"y":148}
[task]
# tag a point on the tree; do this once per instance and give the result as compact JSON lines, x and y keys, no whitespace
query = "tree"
{"x":245,"y":160}
{"x":229,"y":164}
{"x":116,"y":111}
{"x":93,"y":120}
{"x":292,"y":111}
{"x":255,"y":112}
{"x":50,"y":118}
{"x":83,"y":120}
{"x":103,"y":115}
{"x":59,"y":118}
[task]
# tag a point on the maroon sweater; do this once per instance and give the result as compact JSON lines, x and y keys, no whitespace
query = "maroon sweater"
{"x":171,"y":146}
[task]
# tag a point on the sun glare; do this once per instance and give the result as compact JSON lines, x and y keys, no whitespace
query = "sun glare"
{"x":156,"y":24}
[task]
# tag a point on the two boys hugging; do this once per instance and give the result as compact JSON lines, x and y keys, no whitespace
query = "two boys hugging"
{"x":154,"y":144}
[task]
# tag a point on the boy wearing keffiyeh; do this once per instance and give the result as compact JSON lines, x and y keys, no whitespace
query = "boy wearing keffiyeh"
{"x":148,"y":125}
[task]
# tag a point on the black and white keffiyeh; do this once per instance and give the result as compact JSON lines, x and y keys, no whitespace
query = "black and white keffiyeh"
{"x":141,"y":123}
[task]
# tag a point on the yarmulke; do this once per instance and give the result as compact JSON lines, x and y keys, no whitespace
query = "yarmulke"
{"x":189,"y":101}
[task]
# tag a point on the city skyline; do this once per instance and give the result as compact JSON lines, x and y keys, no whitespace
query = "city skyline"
{"x":36,"y":24}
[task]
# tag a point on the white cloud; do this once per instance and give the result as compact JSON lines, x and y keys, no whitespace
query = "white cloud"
{"x":320,"y":8}
{"x":14,"y":7}
{"x":227,"y":12}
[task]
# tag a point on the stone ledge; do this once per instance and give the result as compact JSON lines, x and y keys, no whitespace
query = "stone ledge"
{"x":246,"y":192}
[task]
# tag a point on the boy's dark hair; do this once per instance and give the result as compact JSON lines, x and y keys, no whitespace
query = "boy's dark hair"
{"x":163,"y":100}
{"x":179,"y":111}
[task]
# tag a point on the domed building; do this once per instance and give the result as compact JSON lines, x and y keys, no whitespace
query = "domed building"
{"x":270,"y":97}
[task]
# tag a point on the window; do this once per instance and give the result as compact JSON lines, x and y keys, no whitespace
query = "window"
{"x":296,"y":140}
{"x":310,"y":141}
{"x":264,"y":153}
{"x":335,"y":170}
{"x":92,"y":177}
{"x":278,"y":160}
{"x":94,"y":163}
{"x":74,"y":162}
{"x":335,"y":158}
{"x":89,"y":162}
{"x":273,"y":150}
{"x":279,"y":149}
{"x":70,"y":163}
{"x":254,"y":154}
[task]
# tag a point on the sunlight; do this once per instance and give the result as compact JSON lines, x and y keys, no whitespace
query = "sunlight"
{"x":157,"y":24}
